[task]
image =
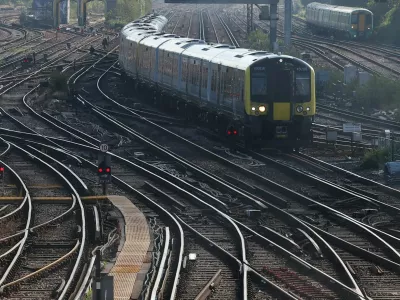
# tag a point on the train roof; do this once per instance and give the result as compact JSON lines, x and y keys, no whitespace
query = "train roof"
{"x":181,"y":44}
{"x":239,"y":58}
{"x":155,"y":22}
{"x":345,"y":9}
{"x":149,"y":34}
{"x":156,"y":40}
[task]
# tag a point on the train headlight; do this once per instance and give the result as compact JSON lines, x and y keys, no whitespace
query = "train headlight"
{"x":299,"y":109}
{"x":352,"y":26}
{"x":253,"y":108}
{"x":261,"y":108}
{"x":308,"y":109}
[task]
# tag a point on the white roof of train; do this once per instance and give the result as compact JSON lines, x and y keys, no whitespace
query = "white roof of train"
{"x":147,"y":30}
{"x":345,"y":9}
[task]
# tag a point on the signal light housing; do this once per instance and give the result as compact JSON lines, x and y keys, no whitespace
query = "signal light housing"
{"x":232,"y":131}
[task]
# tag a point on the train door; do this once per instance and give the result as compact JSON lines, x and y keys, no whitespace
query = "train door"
{"x":361,"y":24}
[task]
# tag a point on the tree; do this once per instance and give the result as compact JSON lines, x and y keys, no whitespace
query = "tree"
{"x":259,"y":40}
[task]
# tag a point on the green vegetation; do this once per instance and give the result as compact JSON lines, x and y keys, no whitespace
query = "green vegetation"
{"x":73,"y":13}
{"x":298,"y":9}
{"x":127,"y":11}
{"x":97,"y":7}
{"x":380,"y":93}
{"x":88,"y":296}
{"x":375,"y":159}
{"x":58,"y":82}
{"x":26,"y":3}
{"x":258,"y":40}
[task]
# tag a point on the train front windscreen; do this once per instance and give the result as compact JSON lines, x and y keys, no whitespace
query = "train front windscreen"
{"x":280,"y":80}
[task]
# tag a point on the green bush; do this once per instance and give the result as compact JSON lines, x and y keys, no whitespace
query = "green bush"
{"x":127,"y":11}
{"x":258,"y":40}
{"x":374,"y":159}
{"x":88,"y":296}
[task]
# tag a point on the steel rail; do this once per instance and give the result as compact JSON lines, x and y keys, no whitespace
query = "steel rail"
{"x":210,"y":286}
{"x":28,"y":223}
{"x":160,"y":273}
{"x":242,"y":266}
{"x":159,"y":207}
{"x":190,"y":25}
{"x":41,"y":270}
{"x":83,"y":221}
{"x":202,"y":35}
{"x":149,"y":168}
{"x":46,"y":66}
{"x":228,"y":31}
{"x":213,"y":26}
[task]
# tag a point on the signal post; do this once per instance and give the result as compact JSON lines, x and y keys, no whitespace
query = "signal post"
{"x":2,"y":169}
{"x":104,"y":167}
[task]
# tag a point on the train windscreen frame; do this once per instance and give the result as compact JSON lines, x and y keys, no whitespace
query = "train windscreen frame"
{"x":280,"y":80}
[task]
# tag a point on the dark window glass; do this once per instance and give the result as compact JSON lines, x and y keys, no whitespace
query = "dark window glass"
{"x":281,"y":81}
{"x":303,"y":84}
{"x":259,"y":86}
{"x":354,"y":19}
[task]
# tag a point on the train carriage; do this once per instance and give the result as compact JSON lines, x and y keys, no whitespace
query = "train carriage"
{"x":349,"y":22}
{"x":265,"y":97}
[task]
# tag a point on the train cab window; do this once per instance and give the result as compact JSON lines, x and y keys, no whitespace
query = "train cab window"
{"x":302,"y":87}
{"x":259,"y":86}
{"x":354,"y":19}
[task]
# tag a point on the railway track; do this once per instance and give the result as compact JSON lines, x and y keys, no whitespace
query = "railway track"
{"x":222,"y":172}
{"x":212,"y":203}
{"x":49,"y":130}
{"x":48,"y":246}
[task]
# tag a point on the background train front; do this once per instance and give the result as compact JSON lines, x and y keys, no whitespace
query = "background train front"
{"x":341,"y":21}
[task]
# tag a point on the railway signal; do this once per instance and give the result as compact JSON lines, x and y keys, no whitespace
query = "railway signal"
{"x":232,"y":134}
{"x":104,"y":167}
{"x":232,"y":131}
{"x":2,"y":171}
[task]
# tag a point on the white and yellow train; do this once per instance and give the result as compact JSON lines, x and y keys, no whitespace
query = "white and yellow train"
{"x":256,"y":95}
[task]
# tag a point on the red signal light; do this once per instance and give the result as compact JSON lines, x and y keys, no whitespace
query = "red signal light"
{"x":100,"y":170}
{"x":108,"y":170}
{"x":229,"y":132}
{"x":235,"y":132}
{"x":1,"y":169}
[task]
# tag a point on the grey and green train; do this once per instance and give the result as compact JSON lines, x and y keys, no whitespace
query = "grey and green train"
{"x":342,"y":21}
